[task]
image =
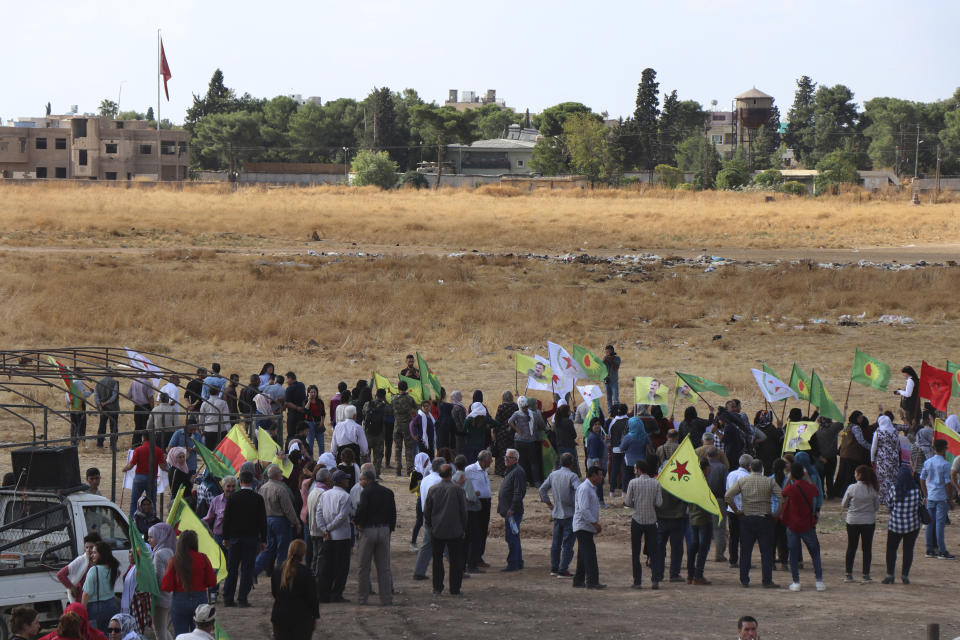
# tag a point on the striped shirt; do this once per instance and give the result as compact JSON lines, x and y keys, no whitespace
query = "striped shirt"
{"x":644,"y":495}
{"x":755,"y":489}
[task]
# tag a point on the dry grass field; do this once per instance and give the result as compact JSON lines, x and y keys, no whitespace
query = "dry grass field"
{"x":207,"y":274}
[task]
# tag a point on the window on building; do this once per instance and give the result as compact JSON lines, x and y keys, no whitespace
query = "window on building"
{"x":110,"y":147}
{"x":519,"y":163}
{"x":111,"y":175}
{"x":83,"y":158}
{"x":719,"y":116}
{"x":41,"y":172}
{"x":23,"y":145}
{"x":181,"y":148}
{"x":60,"y":172}
{"x":119,"y":124}
{"x":79,"y":128}
{"x":146,"y":149}
{"x":4,"y":146}
{"x":717,"y":139}
{"x":168,"y":147}
{"x":60,"y":143}
{"x":41,"y":143}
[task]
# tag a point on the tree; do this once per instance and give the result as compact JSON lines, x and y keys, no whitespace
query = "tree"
{"x":588,"y":142}
{"x":645,"y":121}
{"x":379,"y":120}
{"x":836,"y":168}
{"x":374,"y":168}
{"x":409,"y":141}
{"x":275,"y":127}
{"x":441,"y":126}
{"x":550,"y":122}
{"x":835,"y":120}
{"x":48,"y":109}
{"x":223,"y":140}
{"x":800,"y":130}
{"x":108,"y":108}
{"x":218,"y":99}
{"x":308,"y":134}
{"x":678,"y":121}
{"x":493,"y":121}
{"x":698,"y":155}
{"x":670,"y":177}
{"x":548,"y":157}
{"x":149,"y":114}
{"x":764,"y":145}
{"x":735,"y":172}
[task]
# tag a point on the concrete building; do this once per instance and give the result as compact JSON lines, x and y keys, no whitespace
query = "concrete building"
{"x":472,"y":100}
{"x":729,"y":130}
{"x":499,"y":156}
{"x":91,"y":148}
{"x":721,"y":130}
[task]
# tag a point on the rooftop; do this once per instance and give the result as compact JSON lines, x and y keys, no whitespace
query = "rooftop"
{"x":753,"y":93}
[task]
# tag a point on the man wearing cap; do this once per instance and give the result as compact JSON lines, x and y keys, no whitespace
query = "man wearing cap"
{"x":333,"y":521}
{"x":205,"y":617}
{"x":666,"y":450}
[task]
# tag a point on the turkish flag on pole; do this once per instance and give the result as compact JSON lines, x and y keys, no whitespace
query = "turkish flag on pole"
{"x":164,"y":70}
{"x":935,"y":385}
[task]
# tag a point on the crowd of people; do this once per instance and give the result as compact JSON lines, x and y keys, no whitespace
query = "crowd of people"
{"x":304,"y":528}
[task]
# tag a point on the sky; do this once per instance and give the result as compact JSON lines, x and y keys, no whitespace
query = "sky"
{"x":535,"y":53}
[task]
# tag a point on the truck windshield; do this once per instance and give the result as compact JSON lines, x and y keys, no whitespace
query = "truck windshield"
{"x":108,"y":522}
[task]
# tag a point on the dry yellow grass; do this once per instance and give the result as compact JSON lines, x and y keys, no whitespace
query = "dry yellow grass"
{"x":215,"y":215}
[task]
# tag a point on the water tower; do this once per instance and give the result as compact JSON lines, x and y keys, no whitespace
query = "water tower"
{"x":754,"y":109}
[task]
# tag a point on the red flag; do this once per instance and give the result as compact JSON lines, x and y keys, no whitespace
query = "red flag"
{"x":164,"y":70}
{"x":935,"y":385}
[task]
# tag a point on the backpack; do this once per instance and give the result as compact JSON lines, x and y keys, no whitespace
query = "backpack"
{"x":373,"y":419}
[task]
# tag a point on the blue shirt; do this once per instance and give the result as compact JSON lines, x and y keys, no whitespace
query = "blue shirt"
{"x":213,"y":382}
{"x":179,"y":439}
{"x":634,"y":449}
{"x":936,"y":471}
{"x":595,"y":447}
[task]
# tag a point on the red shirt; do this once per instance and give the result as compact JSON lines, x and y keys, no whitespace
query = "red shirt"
{"x":202,"y":576}
{"x":141,"y":458}
{"x":798,"y":515}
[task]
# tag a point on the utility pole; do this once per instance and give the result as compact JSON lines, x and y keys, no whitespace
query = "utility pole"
{"x":916,"y":153}
{"x":937,"y":192}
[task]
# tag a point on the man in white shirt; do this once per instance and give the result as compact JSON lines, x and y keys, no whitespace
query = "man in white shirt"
{"x":205,"y":617}
{"x":349,"y":433}
{"x":478,"y":522}
{"x":563,"y":482}
{"x":215,"y":416}
{"x":321,"y":480}
{"x":333,"y":521}
{"x":732,"y":520}
{"x":425,"y":553}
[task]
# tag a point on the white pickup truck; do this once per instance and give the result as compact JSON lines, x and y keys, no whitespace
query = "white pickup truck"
{"x":40,"y":533}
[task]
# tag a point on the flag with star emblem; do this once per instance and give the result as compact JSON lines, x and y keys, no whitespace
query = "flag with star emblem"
{"x":681,"y":476}
{"x":772,"y":388}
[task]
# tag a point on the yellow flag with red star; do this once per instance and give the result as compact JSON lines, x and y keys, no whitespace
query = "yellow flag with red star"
{"x":682,"y":476}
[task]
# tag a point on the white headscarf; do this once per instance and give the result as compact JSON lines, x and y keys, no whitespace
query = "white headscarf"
{"x":953,"y":423}
{"x":294,"y":446}
{"x":477,"y":409}
{"x":885,"y":424}
{"x":329,"y":460}
{"x":421,"y":462}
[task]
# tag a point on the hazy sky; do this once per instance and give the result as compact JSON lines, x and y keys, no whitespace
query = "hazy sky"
{"x":535,"y":54}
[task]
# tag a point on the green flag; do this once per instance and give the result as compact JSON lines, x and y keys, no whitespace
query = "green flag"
{"x":219,"y":633}
{"x":954,"y":368}
{"x":593,"y":413}
{"x":822,"y":400}
{"x":800,"y":382}
{"x":700,"y":385}
{"x":590,"y":363}
{"x":217,"y":463}
{"x":430,"y":381}
{"x":146,"y":575}
{"x":870,"y":372}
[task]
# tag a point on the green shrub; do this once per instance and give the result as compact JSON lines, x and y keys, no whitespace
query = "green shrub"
{"x":794,"y":188}
{"x":769,"y":179}
{"x":374,"y":168}
{"x":669,"y":176}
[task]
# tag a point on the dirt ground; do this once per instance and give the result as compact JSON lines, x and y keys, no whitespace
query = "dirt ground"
{"x":531,"y":603}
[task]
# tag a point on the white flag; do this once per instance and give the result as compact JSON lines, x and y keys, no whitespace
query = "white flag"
{"x":538,"y":384}
{"x":590,"y":392}
{"x":772,"y":388}
{"x":141,"y":362}
{"x":563,"y":363}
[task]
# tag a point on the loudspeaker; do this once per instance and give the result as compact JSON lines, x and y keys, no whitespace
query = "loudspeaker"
{"x":46,"y":467}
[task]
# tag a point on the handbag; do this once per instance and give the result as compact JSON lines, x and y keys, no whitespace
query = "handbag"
{"x":923,"y":513}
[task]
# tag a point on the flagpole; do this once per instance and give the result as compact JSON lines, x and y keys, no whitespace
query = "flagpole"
{"x":809,"y":391}
{"x":849,"y":385}
{"x":695,"y":391}
{"x":159,"y":73}
{"x":783,"y":412}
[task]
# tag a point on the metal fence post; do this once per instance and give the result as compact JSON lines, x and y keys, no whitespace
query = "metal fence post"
{"x":45,"y":419}
{"x":933,"y":631}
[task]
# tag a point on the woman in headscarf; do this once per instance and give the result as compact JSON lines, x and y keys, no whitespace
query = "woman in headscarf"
{"x":885,"y":454}
{"x":458,"y":415}
{"x":132,"y":601}
{"x":953,"y":422}
{"x":421,"y":469}
{"x":503,"y":433}
{"x":633,"y":445}
{"x":163,"y":541}
{"x":861,"y":502}
{"x":922,"y":450}
{"x":75,"y":625}
{"x":123,"y":626}
{"x":179,"y":473}
{"x":804,"y":458}
{"x":903,"y":498}
{"x":444,"y":424}
{"x":477,"y":426}
{"x":145,"y":517}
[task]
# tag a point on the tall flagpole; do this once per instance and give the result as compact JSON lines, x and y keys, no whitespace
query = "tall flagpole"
{"x":159,"y":73}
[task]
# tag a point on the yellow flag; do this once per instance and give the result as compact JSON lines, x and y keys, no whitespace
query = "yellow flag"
{"x":796,"y":436}
{"x":682,"y":477}
{"x":269,"y":451}
{"x":183,"y":518}
{"x":382,"y":382}
{"x":650,"y":391}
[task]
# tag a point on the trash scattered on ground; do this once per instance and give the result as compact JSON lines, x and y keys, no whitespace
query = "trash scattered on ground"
{"x":893,"y":319}
{"x":817,"y":321}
